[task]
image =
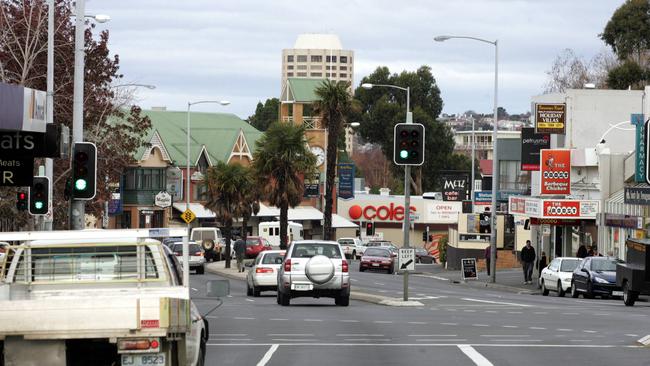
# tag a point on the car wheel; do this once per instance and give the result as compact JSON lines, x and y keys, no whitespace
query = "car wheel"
{"x":200,"y":270}
{"x":574,"y":290}
{"x":629,"y":296}
{"x":256,"y":291}
{"x":544,"y":289}
{"x":590,"y":291}
{"x":201,"y":360}
{"x":278,"y":298}
{"x":560,"y":290}
{"x":285,"y":300}
{"x":391,"y":270}
{"x":361,"y":269}
{"x":342,"y":300}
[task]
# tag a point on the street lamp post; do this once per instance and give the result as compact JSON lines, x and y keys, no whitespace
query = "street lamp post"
{"x":407,"y":181}
{"x":495,"y":173}
{"x":186,"y":258}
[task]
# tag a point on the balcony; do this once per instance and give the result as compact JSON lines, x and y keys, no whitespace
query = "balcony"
{"x":311,"y":123}
{"x":478,"y":146}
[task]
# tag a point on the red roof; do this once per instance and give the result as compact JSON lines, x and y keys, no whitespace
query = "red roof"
{"x":486,"y":167}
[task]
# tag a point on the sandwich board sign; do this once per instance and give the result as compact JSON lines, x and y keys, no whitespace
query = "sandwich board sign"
{"x":468,"y":269}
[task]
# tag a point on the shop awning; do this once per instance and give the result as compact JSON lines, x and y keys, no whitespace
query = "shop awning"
{"x":615,"y":204}
{"x":199,"y":210}
{"x":339,"y":222}
{"x":305,"y":213}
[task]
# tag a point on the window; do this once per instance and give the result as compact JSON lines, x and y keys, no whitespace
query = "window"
{"x":302,"y":67}
{"x":343,"y":75}
{"x":290,"y":58}
{"x":344,"y":59}
{"x":302,"y":74}
{"x":328,"y":67}
{"x":569,"y":265}
{"x":331,"y":75}
{"x":315,"y":58}
{"x":310,"y":250}
{"x":289,"y":67}
{"x":289,"y":74}
{"x":330,"y":58}
{"x":302,"y":58}
{"x":146,"y":179}
{"x":316,"y":67}
{"x":272,"y":258}
{"x":199,"y":192}
{"x":316,"y":74}
{"x":343,"y":68}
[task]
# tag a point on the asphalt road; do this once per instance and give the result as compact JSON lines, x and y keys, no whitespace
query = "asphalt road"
{"x":456,"y":325}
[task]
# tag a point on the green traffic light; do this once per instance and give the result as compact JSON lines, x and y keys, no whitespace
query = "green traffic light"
{"x":403,"y":154}
{"x":38,"y":205}
{"x":80,"y":184}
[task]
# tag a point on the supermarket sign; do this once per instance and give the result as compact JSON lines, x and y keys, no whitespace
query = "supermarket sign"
{"x":553,"y":208}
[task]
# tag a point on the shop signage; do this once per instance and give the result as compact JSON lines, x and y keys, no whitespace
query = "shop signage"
{"x":443,"y":213}
{"x":312,"y":187}
{"x":640,"y":151}
{"x":555,"y":222}
{"x":531,"y":144}
{"x":468,"y":268}
{"x":163,"y":199}
{"x":550,"y":118}
{"x":346,"y":181}
{"x":16,"y":172}
{"x":115,"y":203}
{"x":174,"y":184}
{"x":626,"y":221}
{"x":553,"y":209}
{"x":555,"y":172}
{"x":637,"y":195}
{"x":22,"y":109}
{"x":384,"y":212}
{"x":482,"y":198}
{"x":455,"y":186}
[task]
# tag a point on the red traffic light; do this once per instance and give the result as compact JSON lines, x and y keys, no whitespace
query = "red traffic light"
{"x":22,"y":196}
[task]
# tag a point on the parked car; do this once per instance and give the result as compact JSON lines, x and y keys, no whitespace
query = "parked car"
{"x":633,"y":276}
{"x":423,"y":256}
{"x":171,"y":240}
{"x":314,"y":268}
{"x":255,"y":245}
{"x":596,"y":276}
{"x":380,"y":258}
{"x":352,"y":247}
{"x":3,"y":251}
{"x":557,"y":275}
{"x":262,"y":274}
{"x":197,"y":260}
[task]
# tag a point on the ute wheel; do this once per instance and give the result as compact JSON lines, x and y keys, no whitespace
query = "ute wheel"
{"x":201,"y":360}
{"x":544,"y":289}
{"x":342,"y":300}
{"x":284,"y":299}
{"x":560,"y":290}
{"x":278,"y":298}
{"x":574,"y":290}
{"x":629,"y":296}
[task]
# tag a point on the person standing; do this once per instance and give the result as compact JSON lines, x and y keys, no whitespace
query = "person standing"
{"x":528,"y":260}
{"x":488,"y":251}
{"x":582,"y":251}
{"x":240,"y":251}
{"x":541,"y":263}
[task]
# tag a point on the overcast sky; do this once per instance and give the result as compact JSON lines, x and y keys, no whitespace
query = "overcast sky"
{"x":208,"y":49}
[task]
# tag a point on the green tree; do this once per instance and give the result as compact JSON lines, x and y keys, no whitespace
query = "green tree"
{"x":627,"y":75}
{"x":224,"y":195}
{"x":265,"y":114}
{"x":628,"y":31}
{"x":280,"y":162}
{"x":334,"y":104}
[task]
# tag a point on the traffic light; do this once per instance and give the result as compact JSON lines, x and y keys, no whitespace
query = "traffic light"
{"x":39,"y":196}
{"x":84,"y":170}
{"x":370,"y":228}
{"x":424,"y":236}
{"x":21,"y":201}
{"x":409,"y":144}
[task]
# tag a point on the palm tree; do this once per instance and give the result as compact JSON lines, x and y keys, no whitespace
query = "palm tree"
{"x":224,"y":195}
{"x":334,"y":105}
{"x":280,"y":162}
{"x":250,"y":204}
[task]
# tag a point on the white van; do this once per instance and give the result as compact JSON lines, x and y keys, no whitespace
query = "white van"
{"x":271,"y":232}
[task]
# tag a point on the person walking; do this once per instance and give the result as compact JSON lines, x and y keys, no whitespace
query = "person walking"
{"x":528,"y":261}
{"x":582,"y":251}
{"x":541,"y":263}
{"x":240,"y":251}
{"x":488,"y":251}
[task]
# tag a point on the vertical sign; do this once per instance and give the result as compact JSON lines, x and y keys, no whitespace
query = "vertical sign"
{"x":346,"y":181}
{"x":640,"y":150}
{"x":531,"y":144}
{"x":550,"y":118}
{"x":555,"y":172}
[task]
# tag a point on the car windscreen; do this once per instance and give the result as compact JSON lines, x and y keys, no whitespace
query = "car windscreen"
{"x":569,"y":265}
{"x":273,"y":258}
{"x":252,"y":242}
{"x":346,"y":242}
{"x":371,"y":252}
{"x":193,"y":248}
{"x":603,"y":265}
{"x":312,"y":249}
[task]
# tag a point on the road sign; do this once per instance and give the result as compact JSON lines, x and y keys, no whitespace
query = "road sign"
{"x":188,"y":216}
{"x":468,"y":268}
{"x":406,"y":259}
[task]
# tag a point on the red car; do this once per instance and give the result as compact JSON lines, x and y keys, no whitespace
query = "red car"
{"x":378,"y":258}
{"x":255,"y":245}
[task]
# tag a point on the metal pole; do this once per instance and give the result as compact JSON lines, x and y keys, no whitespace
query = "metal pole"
{"x":495,"y":173}
{"x":471,"y":188}
{"x":407,"y":197}
{"x":49,"y":164}
{"x":186,"y":251}
{"x":78,"y":206}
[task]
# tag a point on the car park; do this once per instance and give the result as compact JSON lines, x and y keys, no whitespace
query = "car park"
{"x":557,"y":275}
{"x":596,"y":276}
{"x":423,"y":256}
{"x":196,"y":259}
{"x":378,"y":258}
{"x":351,"y":247}
{"x":314,"y":268}
{"x":633,"y":277}
{"x":262,"y":274}
{"x":255,"y":245}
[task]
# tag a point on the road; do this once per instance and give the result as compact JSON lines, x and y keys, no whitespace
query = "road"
{"x":456,"y":325}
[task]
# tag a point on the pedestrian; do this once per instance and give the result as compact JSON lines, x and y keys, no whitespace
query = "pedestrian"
{"x":590,"y":252}
{"x":528,"y":261}
{"x":541,"y":263}
{"x":488,"y":251}
{"x":582,"y":251}
{"x":240,"y":251}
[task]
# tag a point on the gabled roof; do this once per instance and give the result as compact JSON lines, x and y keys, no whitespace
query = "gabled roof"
{"x":301,"y":90}
{"x":217,"y":132}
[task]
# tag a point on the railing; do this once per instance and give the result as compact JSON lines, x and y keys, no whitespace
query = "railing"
{"x":310,"y":123}
{"x":478,"y":145}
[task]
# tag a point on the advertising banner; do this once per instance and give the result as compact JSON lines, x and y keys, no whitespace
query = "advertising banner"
{"x":455,"y":186}
{"x":346,"y":180}
{"x":640,"y":151}
{"x":531,"y":144}
{"x":550,"y":118}
{"x":555,"y":172}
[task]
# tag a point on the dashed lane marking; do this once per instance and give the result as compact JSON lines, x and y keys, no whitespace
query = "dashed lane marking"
{"x":421,"y":323}
{"x":250,"y":300}
{"x":441,"y":340}
{"x":537,"y":328}
{"x":313,"y":320}
{"x":590,"y":331}
{"x":243,"y":318}
{"x":510,"y":326}
{"x":348,"y":321}
{"x":433,"y":335}
{"x":504,"y":335}
{"x":360,"y":335}
{"x":278,"y":319}
{"x":564,"y":330}
{"x":480,"y":325}
{"x":449,"y":323}
{"x":290,"y":335}
{"x":383,"y":321}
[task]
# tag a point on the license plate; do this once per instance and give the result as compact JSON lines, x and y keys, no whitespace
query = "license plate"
{"x":375,"y":264}
{"x":298,"y":287}
{"x":143,"y":360}
{"x":617,"y":293}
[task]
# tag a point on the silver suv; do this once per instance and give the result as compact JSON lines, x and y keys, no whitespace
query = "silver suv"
{"x":314,"y":268}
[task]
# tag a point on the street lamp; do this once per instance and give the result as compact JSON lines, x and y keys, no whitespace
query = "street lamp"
{"x":407,"y":179}
{"x":495,"y":173}
{"x":148,"y":86}
{"x":186,"y":272}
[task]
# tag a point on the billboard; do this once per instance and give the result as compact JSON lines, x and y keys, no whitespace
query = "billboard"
{"x":455,"y":186}
{"x":555,"y":174}
{"x":531,"y":144}
{"x":346,"y":180}
{"x":550,"y":118}
{"x":22,"y":109}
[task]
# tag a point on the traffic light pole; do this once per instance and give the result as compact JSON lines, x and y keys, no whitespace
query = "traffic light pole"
{"x":407,"y":197}
{"x":78,"y":207}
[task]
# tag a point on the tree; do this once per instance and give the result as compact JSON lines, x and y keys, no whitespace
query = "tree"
{"x":570,"y":71}
{"x":628,"y":31}
{"x":23,"y":61}
{"x":265,"y":114}
{"x":280,"y":162}
{"x":627,"y":75}
{"x":334,"y":104}
{"x":225,"y":195}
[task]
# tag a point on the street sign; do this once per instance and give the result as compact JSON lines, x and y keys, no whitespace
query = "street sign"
{"x":406,"y":259}
{"x":188,"y":216}
{"x":16,"y":172}
{"x":163,"y":199}
{"x":468,"y":269}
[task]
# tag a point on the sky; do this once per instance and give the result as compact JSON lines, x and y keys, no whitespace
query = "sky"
{"x":232,"y":50}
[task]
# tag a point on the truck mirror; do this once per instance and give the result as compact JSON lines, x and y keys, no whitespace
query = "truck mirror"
{"x":218,"y":288}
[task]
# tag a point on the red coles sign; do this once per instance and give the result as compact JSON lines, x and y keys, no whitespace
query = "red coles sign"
{"x":384,"y":212}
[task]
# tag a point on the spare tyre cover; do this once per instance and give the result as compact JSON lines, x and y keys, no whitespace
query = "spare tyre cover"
{"x":208,"y":244}
{"x":319,"y":269}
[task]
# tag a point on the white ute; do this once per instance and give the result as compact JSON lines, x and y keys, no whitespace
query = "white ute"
{"x":97,"y":297}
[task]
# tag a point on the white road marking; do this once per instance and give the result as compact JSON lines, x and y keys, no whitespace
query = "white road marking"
{"x":632,"y":335}
{"x":268,"y":355}
{"x":564,"y":330}
{"x":540,"y":312}
{"x":231,"y":339}
{"x":418,"y":323}
{"x":354,"y":280}
{"x":193,"y":289}
{"x":294,"y":340}
{"x":251,"y":300}
{"x":366,"y":339}
{"x":228,"y":335}
{"x":537,"y":328}
{"x":441,"y":340}
{"x":243,"y":318}
{"x":360,"y":335}
{"x":434,"y":277}
{"x":515,"y":340}
{"x":469,"y":311}
{"x":492,"y":312}
{"x":504,"y":335}
{"x":433,"y":335}
{"x":278,"y":319}
{"x":383,"y":291}
{"x":510,"y":326}
{"x":495,"y":302}
{"x":514,"y":312}
{"x":473,"y":354}
{"x":383,"y":321}
{"x":580,"y":340}
{"x":480,"y":325}
{"x":348,"y":321}
{"x":350,"y":344}
{"x":380,"y":284}
{"x":449,"y":323}
{"x":570,"y":314}
{"x":289,"y":335}
{"x":590,"y":331}
{"x":313,"y":320}
{"x":228,"y":295}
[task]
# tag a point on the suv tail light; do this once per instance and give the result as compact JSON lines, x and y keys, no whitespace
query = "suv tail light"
{"x":344,"y":265}
{"x":287,"y":265}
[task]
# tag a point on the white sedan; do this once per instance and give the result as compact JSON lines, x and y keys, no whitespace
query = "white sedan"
{"x":557,"y":275}
{"x":263,"y":273}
